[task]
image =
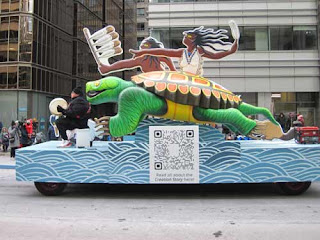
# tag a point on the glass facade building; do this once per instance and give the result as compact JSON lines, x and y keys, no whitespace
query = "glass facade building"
{"x":43,"y":52}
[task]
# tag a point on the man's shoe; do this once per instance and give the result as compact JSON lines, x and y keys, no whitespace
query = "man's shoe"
{"x":65,"y":144}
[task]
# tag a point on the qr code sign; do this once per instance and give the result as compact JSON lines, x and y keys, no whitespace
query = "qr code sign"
{"x":174,"y":154}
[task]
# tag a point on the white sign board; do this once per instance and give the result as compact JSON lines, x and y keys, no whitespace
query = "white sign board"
{"x":174,"y":154}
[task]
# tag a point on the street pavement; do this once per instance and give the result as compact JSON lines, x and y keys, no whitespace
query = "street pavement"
{"x":5,"y":161}
{"x":156,"y":212}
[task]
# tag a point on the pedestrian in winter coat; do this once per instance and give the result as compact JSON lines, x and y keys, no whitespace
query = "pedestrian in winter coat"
{"x":4,"y":139}
{"x":290,"y":121}
{"x":51,"y":135}
{"x":25,"y":139}
{"x":14,"y":138}
{"x":282,"y":120}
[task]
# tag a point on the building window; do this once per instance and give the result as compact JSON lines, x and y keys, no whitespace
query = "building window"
{"x":140,"y":11}
{"x":176,"y":36}
{"x":12,"y":77}
{"x":281,"y":38}
{"x":140,"y":26}
{"x":297,"y":103}
{"x":304,"y":37}
{"x":26,"y":38}
{"x":14,"y":5}
{"x":5,"y":6}
{"x":255,"y":39}
{"x":139,"y":40}
{"x":24,"y":77}
{"x":4,"y":38}
{"x":3,"y":77}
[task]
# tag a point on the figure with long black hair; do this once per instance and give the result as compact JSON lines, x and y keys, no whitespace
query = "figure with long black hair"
{"x":200,"y":43}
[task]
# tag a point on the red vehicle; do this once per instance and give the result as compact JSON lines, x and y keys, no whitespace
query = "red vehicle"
{"x":307,"y":135}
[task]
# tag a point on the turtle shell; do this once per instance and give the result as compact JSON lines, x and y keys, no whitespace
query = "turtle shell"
{"x":188,"y":89}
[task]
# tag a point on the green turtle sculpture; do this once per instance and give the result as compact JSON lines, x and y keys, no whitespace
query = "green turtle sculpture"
{"x":177,"y":96}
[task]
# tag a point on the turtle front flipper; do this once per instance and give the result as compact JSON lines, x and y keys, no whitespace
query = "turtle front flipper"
{"x":133,"y":104}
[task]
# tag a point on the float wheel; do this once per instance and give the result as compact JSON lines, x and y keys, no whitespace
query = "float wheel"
{"x":49,"y":188}
{"x":292,"y":188}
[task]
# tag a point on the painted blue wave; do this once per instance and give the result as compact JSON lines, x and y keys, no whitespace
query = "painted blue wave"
{"x":247,"y":159}
{"x":67,"y":167}
{"x":281,"y":179}
{"x":221,"y":160}
{"x":258,"y":168}
{"x":44,"y":157}
{"x":296,"y":166}
{"x":246,"y":178}
{"x":119,"y":147}
{"x":222,"y":177}
{"x":22,"y":160}
{"x":36,"y":170}
{"x":80,"y":175}
{"x":100,"y":178}
{"x":126,"y":167}
{"x":141,"y":176}
{"x":87,"y":157}
{"x":21,"y":177}
{"x":279,"y":155}
{"x":121,"y":179}
{"x":102,"y":166}
{"x":308,"y":174}
{"x":313,"y":153}
{"x":204,"y":171}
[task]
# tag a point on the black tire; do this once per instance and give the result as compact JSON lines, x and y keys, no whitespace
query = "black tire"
{"x":292,"y":188}
{"x":49,"y":188}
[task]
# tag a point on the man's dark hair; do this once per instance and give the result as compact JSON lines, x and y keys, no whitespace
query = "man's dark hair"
{"x":78,"y":91}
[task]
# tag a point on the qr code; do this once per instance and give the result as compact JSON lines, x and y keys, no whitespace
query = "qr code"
{"x":174,"y":149}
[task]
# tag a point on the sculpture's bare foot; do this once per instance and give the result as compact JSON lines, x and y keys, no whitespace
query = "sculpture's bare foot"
{"x":266,"y":130}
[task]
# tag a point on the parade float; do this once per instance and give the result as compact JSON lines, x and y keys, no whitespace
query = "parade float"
{"x":172,"y":113}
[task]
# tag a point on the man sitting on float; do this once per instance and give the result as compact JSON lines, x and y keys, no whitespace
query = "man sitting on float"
{"x":76,"y":115}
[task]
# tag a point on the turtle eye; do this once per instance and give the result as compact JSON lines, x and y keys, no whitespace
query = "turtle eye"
{"x":97,"y":83}
{"x":189,"y":36}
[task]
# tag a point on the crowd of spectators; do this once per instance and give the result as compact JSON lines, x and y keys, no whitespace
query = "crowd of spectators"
{"x":18,"y":134}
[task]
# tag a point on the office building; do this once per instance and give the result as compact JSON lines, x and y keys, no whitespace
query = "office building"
{"x":43,"y":52}
{"x":142,"y":20}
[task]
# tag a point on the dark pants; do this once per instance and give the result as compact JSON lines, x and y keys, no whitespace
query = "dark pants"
{"x":65,"y":123}
{"x":5,"y":147}
{"x":13,"y":152}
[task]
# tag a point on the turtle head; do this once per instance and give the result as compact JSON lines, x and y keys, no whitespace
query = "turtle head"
{"x":105,"y":90}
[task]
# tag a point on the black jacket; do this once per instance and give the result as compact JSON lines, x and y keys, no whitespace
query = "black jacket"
{"x":24,"y":140}
{"x":78,"y":108}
